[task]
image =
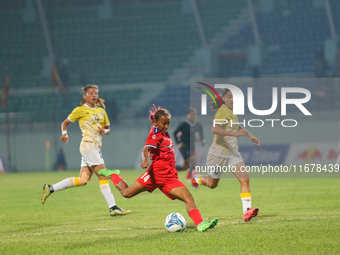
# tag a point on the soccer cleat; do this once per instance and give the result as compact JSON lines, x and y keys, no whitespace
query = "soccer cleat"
{"x":107,"y":172}
{"x":115,"y":210}
{"x":46,"y":193}
{"x":250,"y":213}
{"x":207,"y":224}
{"x":193,"y":181}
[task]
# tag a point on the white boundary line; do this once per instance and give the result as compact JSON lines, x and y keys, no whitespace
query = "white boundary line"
{"x":132,"y":228}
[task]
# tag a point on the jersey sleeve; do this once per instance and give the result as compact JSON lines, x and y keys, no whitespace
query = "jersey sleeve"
{"x":74,"y":115}
{"x":154,"y":139}
{"x":221,"y":116}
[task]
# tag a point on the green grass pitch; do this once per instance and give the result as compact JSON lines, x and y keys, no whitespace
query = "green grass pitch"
{"x":297,"y":216}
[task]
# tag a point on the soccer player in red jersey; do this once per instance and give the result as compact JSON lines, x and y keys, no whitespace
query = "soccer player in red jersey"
{"x":161,"y":173}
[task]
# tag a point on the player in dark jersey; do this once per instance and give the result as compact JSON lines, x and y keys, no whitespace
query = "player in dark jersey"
{"x":185,"y":137}
{"x":161,"y":173}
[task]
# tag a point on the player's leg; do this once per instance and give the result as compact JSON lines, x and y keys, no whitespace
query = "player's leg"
{"x":126,"y":190}
{"x":243,"y":177}
{"x":185,"y":152}
{"x":186,"y":163}
{"x":130,"y":191}
{"x":107,"y":193}
{"x":192,"y":160}
{"x":84,"y":176}
{"x":183,"y":194}
{"x":213,"y":176}
{"x":204,"y":180}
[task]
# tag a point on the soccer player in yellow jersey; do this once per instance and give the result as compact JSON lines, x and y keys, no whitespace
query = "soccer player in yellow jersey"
{"x":93,"y":123}
{"x":224,"y":152}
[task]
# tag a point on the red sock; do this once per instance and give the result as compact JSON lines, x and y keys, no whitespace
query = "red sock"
{"x":195,"y":215}
{"x":115,"y":178}
{"x":188,"y":174}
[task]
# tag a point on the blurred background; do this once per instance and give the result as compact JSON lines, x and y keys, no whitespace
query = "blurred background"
{"x":141,"y":52}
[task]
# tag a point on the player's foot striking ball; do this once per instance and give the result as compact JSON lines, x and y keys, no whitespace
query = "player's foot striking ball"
{"x":207,"y":224}
{"x":161,"y":174}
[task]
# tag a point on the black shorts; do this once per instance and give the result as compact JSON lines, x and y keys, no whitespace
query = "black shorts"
{"x":185,"y":151}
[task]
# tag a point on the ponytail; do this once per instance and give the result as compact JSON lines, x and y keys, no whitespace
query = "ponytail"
{"x":101,"y":102}
{"x":216,"y":106}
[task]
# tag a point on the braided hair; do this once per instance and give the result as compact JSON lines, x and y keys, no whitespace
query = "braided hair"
{"x":155,"y":113}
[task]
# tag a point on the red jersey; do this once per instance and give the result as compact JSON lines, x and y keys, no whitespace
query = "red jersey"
{"x":162,"y":147}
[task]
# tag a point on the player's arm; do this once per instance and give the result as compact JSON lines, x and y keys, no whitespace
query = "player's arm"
{"x":64,"y":136}
{"x":217,"y":130}
{"x":177,"y":135}
{"x":251,"y":136}
{"x":105,"y":130}
{"x":145,"y":162}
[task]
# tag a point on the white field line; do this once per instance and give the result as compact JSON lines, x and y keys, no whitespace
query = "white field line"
{"x":158,"y":227}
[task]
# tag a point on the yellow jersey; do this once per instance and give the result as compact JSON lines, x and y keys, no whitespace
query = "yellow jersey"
{"x":225,"y":146}
{"x":90,"y":121}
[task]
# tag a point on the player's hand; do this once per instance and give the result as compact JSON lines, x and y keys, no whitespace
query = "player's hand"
{"x":145,"y":164}
{"x":64,"y":138}
{"x":180,"y":145}
{"x":255,"y":140}
{"x":242,"y":132}
{"x":102,"y":131}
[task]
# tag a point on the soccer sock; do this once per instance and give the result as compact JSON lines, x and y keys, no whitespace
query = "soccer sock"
{"x":197,"y":178}
{"x":188,"y":174}
{"x":115,"y":178}
{"x":66,"y":183}
{"x":246,"y":201}
{"x":195,"y":215}
{"x":106,"y":192}
{"x":191,"y":169}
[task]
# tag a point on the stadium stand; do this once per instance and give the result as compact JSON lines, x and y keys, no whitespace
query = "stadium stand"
{"x":298,"y":31}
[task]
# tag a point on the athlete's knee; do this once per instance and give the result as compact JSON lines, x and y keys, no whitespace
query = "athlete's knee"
{"x":126,"y":194}
{"x":244,"y":181}
{"x":83,"y":180}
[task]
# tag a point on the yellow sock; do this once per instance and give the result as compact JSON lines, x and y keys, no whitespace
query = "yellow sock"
{"x":66,"y":183}
{"x":106,"y":192}
{"x":76,"y":181}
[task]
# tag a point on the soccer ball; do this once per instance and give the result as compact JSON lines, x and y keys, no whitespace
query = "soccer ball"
{"x":175,"y":222}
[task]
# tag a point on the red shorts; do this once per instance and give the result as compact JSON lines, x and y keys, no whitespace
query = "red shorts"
{"x":162,"y":176}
